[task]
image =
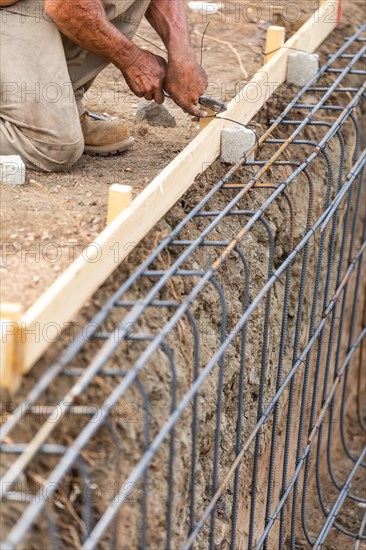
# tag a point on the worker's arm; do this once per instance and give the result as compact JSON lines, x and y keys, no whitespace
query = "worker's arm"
{"x":185,"y":80}
{"x":85,"y":23}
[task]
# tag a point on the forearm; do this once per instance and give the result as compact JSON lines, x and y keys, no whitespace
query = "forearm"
{"x":84,"y":22}
{"x":169,"y":19}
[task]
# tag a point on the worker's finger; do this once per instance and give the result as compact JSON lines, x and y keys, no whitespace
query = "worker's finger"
{"x":203,"y":113}
{"x":196,"y":111}
{"x":149,"y":96}
{"x":159,"y":96}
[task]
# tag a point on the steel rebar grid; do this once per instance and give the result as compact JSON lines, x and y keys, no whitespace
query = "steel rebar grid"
{"x":309,"y":360}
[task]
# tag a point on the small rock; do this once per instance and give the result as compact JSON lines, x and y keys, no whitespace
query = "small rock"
{"x":156,"y":115}
{"x":224,"y":507}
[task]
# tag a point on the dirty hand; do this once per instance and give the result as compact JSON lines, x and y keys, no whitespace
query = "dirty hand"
{"x":145,"y":76}
{"x":185,"y":82}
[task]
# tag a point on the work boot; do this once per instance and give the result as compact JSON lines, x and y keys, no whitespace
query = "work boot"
{"x":104,"y":135}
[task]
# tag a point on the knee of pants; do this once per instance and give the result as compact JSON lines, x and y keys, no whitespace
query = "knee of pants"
{"x":48,"y":153}
{"x":57,"y":155}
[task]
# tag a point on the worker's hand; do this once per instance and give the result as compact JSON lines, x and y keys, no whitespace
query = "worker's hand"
{"x":146,"y":75}
{"x":185,"y":82}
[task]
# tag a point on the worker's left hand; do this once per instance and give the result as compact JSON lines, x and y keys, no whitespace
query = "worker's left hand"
{"x":185,"y":82}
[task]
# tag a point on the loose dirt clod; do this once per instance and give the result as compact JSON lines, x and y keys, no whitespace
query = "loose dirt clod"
{"x":156,"y":115}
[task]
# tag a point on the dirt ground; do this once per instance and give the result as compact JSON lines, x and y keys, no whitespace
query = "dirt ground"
{"x":71,"y":207}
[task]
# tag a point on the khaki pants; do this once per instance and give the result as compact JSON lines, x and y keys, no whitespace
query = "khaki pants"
{"x":42,"y":80}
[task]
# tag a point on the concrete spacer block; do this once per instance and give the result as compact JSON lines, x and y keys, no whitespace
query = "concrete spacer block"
{"x":301,"y":67}
{"x":12,"y":170}
{"x":235,"y":143}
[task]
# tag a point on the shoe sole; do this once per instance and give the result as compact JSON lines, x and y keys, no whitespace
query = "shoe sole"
{"x":103,"y":151}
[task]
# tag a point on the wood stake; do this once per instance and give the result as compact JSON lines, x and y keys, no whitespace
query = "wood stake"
{"x":10,"y":339}
{"x":120,"y":196}
{"x":275,"y":39}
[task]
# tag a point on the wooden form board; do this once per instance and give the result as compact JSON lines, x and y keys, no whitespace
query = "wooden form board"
{"x":59,"y":304}
{"x":10,"y":339}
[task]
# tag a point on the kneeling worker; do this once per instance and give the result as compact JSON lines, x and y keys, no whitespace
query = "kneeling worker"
{"x":52,"y":50}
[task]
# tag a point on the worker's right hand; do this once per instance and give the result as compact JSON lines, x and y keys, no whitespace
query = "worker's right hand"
{"x":146,"y":75}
